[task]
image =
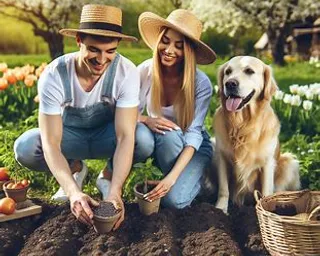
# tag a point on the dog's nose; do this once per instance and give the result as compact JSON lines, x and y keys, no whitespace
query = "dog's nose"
{"x":232,"y":84}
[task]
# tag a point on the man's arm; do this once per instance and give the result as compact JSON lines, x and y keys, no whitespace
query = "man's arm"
{"x":125,"y":125}
{"x":51,"y":136}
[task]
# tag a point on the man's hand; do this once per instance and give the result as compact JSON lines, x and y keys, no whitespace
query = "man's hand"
{"x":80,"y":207}
{"x":118,"y":204}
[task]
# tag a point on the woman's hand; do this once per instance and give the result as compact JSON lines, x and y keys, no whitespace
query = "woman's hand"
{"x":160,"y":124}
{"x":161,"y":189}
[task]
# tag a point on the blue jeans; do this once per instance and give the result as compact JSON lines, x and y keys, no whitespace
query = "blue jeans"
{"x":166,"y":149}
{"x":100,"y":143}
{"x":77,"y":143}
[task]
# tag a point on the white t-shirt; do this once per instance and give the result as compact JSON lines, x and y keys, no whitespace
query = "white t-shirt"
{"x":125,"y":92}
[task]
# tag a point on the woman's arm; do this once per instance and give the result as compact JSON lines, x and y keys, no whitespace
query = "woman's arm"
{"x":193,"y":138}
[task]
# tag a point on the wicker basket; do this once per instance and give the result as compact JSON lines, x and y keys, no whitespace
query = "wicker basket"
{"x":297,"y":234}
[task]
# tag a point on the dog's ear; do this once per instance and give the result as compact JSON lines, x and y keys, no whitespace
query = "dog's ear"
{"x":220,"y":78}
{"x":270,"y":86}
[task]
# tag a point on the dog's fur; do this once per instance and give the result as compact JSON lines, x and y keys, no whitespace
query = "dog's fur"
{"x":247,"y":144}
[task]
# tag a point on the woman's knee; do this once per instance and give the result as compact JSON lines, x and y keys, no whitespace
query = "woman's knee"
{"x":175,"y":201}
{"x":144,"y":142}
{"x":171,"y":142}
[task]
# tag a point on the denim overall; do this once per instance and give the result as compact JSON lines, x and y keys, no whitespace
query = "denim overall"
{"x":88,"y":133}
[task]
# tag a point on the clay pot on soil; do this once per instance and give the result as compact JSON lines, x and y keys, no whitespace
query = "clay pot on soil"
{"x":17,"y":194}
{"x":104,"y":217}
{"x":146,"y":207}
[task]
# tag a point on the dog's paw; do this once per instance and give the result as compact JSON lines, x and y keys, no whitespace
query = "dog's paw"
{"x":222,"y":205}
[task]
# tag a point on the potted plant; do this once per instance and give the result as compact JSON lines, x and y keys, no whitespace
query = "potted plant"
{"x":104,"y":217}
{"x":140,"y":189}
{"x":146,"y":178}
{"x":17,"y":190}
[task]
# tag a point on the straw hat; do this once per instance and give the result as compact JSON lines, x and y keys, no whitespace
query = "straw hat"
{"x":183,"y":21}
{"x":100,"y":20}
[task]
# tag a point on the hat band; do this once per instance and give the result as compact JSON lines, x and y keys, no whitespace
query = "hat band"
{"x":100,"y":25}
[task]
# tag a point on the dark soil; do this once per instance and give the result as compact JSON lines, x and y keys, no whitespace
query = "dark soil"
{"x":286,"y":209}
{"x":246,"y":229}
{"x":197,"y":230}
{"x":105,"y":209}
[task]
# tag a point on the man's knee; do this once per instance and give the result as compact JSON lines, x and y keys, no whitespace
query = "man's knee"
{"x":26,"y":148}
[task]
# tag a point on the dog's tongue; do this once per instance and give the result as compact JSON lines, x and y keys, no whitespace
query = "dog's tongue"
{"x":233,"y":103}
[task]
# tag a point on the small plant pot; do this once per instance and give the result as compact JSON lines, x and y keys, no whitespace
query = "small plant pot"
{"x":104,"y":217}
{"x":146,"y":207}
{"x":17,"y":194}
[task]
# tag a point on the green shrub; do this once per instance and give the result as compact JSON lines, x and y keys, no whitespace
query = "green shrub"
{"x":307,"y":150}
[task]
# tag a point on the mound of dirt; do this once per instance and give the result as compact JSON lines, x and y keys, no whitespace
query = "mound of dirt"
{"x":197,"y":230}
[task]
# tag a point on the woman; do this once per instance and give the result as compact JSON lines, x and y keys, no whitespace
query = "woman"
{"x":176,"y":96}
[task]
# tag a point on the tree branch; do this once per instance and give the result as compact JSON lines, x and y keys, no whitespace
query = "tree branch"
{"x":245,"y":9}
{"x":22,"y":18}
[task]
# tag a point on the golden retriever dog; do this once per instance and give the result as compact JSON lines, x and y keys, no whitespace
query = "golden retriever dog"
{"x":246,"y":130}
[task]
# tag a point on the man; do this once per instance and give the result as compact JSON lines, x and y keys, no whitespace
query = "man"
{"x":88,"y":109}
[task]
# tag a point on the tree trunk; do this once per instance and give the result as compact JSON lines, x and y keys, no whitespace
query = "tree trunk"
{"x":55,"y":43}
{"x":277,"y":40}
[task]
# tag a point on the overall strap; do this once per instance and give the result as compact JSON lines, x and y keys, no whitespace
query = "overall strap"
{"x":108,"y":80}
{"x":62,"y":69}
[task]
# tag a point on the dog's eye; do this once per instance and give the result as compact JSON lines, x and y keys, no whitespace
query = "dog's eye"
{"x":248,"y":71}
{"x":228,"y":71}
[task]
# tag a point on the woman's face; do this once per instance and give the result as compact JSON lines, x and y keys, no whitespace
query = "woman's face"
{"x":170,"y":48}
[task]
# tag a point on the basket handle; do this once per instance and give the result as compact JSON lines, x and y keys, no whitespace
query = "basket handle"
{"x":257,"y":195}
{"x":315,"y":214}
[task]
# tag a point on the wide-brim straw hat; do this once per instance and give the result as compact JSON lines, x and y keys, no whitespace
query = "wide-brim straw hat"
{"x":183,"y":21}
{"x":101,"y":20}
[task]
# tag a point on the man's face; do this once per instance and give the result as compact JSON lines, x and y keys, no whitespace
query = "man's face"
{"x":96,"y":55}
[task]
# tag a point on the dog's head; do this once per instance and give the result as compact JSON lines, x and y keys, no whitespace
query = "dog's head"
{"x":244,"y":80}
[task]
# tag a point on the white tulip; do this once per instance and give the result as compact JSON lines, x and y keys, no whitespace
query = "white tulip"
{"x":279,"y":95}
{"x":315,"y":88}
{"x":309,"y":95}
{"x":302,"y":90}
{"x":294,"y":88}
{"x":216,"y":88}
{"x":295,"y":100}
{"x":287,"y":98}
{"x":307,"y":104}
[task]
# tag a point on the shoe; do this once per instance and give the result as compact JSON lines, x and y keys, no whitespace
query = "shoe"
{"x":79,"y":177}
{"x":103,"y":185}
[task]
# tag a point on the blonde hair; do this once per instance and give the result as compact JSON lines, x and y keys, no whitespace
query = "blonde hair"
{"x":184,"y":104}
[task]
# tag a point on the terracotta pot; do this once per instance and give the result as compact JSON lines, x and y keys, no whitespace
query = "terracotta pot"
{"x":146,"y":207}
{"x":104,"y":224}
{"x":18,"y":195}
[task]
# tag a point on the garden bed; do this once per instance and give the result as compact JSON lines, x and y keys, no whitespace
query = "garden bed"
{"x":197,"y":230}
